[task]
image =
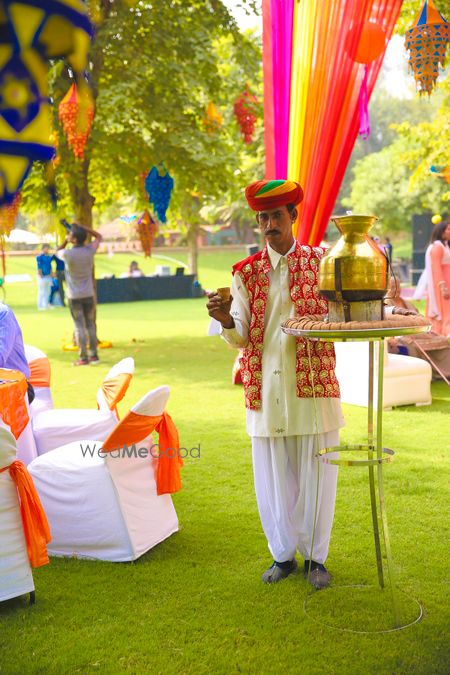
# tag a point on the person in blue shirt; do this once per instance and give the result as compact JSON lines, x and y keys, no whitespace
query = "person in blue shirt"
{"x":58,"y":280}
{"x":44,"y":269}
{"x":12,"y":350}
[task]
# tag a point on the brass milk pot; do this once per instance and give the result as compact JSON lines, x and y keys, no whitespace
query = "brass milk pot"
{"x":354,"y":273}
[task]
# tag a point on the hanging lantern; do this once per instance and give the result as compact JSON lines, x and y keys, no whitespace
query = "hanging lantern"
{"x":245,"y":109}
{"x":441,"y":172}
{"x":213,"y":120}
{"x":147,"y":229}
{"x":427,"y":42}
{"x":371,"y":44}
{"x":8,"y":215}
{"x":159,"y":185}
{"x":76,"y":112}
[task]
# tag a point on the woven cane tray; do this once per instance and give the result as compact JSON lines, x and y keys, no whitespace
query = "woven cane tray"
{"x":311,"y":326}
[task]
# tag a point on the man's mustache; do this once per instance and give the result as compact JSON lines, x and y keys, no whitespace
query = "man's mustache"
{"x":271,"y":231}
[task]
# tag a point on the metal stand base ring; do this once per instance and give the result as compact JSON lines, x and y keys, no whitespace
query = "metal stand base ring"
{"x":315,"y":596}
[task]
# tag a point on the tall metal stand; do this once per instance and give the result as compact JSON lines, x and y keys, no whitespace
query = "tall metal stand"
{"x":379,"y":463}
{"x":375,"y":455}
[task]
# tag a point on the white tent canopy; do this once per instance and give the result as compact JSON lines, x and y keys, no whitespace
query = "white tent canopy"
{"x":23,"y":237}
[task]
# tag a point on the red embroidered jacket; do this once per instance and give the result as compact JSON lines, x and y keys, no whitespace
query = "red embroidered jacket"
{"x":303,"y":264}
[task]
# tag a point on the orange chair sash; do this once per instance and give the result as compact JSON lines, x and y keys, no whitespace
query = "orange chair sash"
{"x":34,"y":520}
{"x":134,"y":428}
{"x":13,"y":408}
{"x":115,"y":389}
{"x":40,"y":372}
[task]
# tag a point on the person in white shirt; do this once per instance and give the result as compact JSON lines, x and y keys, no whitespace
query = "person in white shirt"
{"x":291,"y":391}
{"x":134,"y":270}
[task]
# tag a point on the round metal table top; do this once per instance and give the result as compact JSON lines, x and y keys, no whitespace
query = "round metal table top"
{"x":355,"y":334}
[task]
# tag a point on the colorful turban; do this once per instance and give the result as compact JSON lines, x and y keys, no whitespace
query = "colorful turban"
{"x":268,"y":194}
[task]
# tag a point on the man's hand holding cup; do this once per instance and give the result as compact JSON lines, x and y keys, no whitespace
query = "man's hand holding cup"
{"x":219,"y":305}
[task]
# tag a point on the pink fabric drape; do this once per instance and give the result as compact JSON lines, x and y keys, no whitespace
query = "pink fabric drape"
{"x":269,"y":127}
{"x":281,"y":18}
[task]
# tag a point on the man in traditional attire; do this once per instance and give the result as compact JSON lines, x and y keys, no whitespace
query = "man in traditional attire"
{"x":287,"y":419}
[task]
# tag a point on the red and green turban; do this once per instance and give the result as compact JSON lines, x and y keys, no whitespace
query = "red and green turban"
{"x":269,"y":194}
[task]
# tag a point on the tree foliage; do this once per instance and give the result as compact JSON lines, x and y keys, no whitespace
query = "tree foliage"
{"x":394,"y":180}
{"x":154,"y":69}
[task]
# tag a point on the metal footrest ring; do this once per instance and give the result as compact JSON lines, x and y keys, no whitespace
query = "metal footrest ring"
{"x":369,"y":451}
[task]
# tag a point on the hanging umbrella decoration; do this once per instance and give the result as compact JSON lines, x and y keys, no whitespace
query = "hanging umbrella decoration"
{"x":245,"y":109}
{"x":427,"y":43}
{"x":147,"y":229}
{"x":34,"y":33}
{"x":159,"y":185}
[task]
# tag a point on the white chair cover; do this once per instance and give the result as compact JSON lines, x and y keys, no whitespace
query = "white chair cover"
{"x":104,"y":507}
{"x":407,"y":380}
{"x":26,"y":443}
{"x":33,"y":353}
{"x":57,"y":427}
{"x":42,"y":401}
{"x":15,"y":572}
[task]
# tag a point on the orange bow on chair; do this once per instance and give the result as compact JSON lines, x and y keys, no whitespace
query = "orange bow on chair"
{"x":115,"y":389}
{"x":35,"y":524}
{"x":40,"y":372}
{"x":134,"y":428}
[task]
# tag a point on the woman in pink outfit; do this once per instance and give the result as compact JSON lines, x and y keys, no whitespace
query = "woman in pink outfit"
{"x":437,"y":279}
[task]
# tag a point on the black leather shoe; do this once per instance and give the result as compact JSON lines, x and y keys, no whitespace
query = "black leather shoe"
{"x":317,"y":576}
{"x":276,"y":573}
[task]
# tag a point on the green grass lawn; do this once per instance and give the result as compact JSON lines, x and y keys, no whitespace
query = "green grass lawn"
{"x":195,"y":603}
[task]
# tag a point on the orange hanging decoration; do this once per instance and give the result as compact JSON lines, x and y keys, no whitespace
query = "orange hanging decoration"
{"x":245,"y":109}
{"x":213,"y":120}
{"x":76,"y":112}
{"x":8,"y":215}
{"x":372,"y":43}
{"x":427,"y":42}
{"x":441,"y":172}
{"x":147,"y":228}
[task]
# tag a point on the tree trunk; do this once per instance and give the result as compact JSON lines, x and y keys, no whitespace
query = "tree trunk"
{"x":192,"y":249}
{"x":83,"y":201}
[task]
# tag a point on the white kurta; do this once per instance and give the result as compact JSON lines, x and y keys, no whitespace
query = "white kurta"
{"x":282,"y":413}
{"x":284,"y":431}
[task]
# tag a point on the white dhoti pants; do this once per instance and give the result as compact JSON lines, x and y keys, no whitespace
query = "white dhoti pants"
{"x":288,"y":477}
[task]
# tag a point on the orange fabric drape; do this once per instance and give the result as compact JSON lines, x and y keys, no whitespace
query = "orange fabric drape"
{"x":135,"y":428}
{"x":13,"y":408}
{"x":35,"y":524}
{"x":115,"y":389}
{"x":40,"y":372}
